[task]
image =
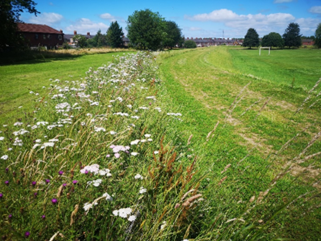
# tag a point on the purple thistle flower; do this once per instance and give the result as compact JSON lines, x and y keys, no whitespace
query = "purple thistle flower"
{"x":54,"y":200}
{"x":1,"y":195}
{"x":7,"y":169}
{"x":10,"y":216}
{"x":60,"y":173}
{"x":35,"y":194}
{"x":65,"y":184}
{"x":27,"y":234}
{"x":6,"y":182}
{"x":34,"y":183}
{"x":74,"y":181}
{"x":43,"y":216}
{"x":86,"y":171}
{"x":47,"y":181}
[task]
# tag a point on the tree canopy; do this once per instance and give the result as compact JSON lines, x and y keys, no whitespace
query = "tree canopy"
{"x":173,"y":35}
{"x":114,"y":35}
{"x":80,"y":40}
{"x":273,"y":40}
{"x":318,"y":36}
{"x":146,"y":29}
{"x":189,"y":44}
{"x":291,"y":36}
{"x":251,"y":38}
{"x":10,"y":11}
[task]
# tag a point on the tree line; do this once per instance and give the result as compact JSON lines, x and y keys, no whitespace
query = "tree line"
{"x":290,"y":38}
{"x":146,"y":30}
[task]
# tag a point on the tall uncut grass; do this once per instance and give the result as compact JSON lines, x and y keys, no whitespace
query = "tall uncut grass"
{"x":103,"y":158}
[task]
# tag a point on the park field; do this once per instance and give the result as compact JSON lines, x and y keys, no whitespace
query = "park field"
{"x":239,"y":130}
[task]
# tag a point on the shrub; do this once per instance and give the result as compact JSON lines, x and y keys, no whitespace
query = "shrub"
{"x":189,"y":44}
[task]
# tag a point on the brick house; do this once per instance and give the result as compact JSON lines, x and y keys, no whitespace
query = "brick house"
{"x":306,"y":42}
{"x":41,"y":35}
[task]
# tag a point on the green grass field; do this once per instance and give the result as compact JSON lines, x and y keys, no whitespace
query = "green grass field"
{"x":17,"y":80}
{"x":206,"y":85}
{"x":241,"y":108}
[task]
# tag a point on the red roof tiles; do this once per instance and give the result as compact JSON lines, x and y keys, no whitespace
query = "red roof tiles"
{"x":36,"y":28}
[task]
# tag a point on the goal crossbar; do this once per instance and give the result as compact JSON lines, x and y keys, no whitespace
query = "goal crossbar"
{"x":264,"y":48}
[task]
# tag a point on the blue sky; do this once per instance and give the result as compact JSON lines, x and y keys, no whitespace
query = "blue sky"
{"x":206,"y":18}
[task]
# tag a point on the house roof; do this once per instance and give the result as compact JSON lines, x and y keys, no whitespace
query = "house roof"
{"x":36,"y":28}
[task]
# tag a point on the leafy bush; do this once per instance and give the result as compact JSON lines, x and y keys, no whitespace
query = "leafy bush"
{"x":66,"y":46}
{"x":189,"y":44}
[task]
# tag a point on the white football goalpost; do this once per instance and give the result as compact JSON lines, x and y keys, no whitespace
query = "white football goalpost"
{"x":264,"y":48}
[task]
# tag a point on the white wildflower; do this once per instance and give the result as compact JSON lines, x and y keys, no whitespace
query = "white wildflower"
{"x":98,"y":129}
{"x":132,"y":218}
{"x":94,"y":168}
{"x":142,"y":190}
{"x":4,"y":157}
{"x":138,"y":176}
{"x":134,"y":153}
{"x":135,"y":142}
{"x":108,"y":197}
{"x":53,"y":140}
{"x":96,"y":183}
{"x":1,"y":138}
{"x":51,"y":144}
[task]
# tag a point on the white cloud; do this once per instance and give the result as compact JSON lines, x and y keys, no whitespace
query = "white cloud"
{"x":283,"y":1}
{"x":111,"y":18}
{"x":315,"y":9}
{"x":46,"y":18}
{"x":239,"y":24}
{"x":108,"y":16}
{"x":308,"y":25}
{"x":85,"y":25}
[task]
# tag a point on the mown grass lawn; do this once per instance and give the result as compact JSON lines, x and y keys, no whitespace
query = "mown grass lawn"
{"x":208,"y":85}
{"x":17,"y":80}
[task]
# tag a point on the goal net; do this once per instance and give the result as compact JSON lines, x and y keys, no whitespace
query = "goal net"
{"x":264,"y":48}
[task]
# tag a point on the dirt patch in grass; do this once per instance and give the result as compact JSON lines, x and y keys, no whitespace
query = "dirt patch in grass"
{"x":307,"y":174}
{"x":285,"y":105}
{"x":255,"y":141}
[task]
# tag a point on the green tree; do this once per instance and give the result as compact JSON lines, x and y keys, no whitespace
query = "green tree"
{"x":291,"y":36}
{"x":99,"y":40}
{"x":317,"y":35}
{"x":114,"y":35}
{"x":189,"y":44}
{"x":173,"y":35}
{"x":251,"y":38}
{"x":146,"y":30}
{"x":81,"y":41}
{"x":10,"y":11}
{"x":273,"y":40}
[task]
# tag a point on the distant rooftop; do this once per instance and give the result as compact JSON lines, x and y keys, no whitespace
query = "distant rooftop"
{"x":37,"y":28}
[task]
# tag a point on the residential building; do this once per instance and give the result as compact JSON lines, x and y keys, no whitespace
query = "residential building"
{"x":40,"y":35}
